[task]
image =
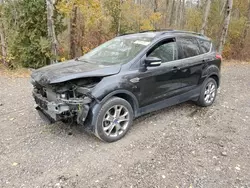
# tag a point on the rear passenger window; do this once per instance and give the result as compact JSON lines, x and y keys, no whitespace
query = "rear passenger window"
{"x":204,"y":45}
{"x":190,"y":47}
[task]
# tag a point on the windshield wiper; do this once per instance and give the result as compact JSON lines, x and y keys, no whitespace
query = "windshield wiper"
{"x":77,"y":59}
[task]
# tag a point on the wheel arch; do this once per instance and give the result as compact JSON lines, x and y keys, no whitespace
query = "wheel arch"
{"x":126,"y":95}
{"x":216,"y":78}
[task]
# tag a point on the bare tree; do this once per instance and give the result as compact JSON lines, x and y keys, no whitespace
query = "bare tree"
{"x":155,"y":10}
{"x":155,"y":5}
{"x":198,"y":4}
{"x":120,"y":18}
{"x":73,"y":32}
{"x":246,"y":30}
{"x":225,"y":24}
{"x":77,"y":32}
{"x":168,"y":9}
{"x":205,"y":16}
{"x":183,"y":14}
{"x":51,"y":27}
{"x":166,"y":12}
{"x":223,"y":8}
{"x":177,"y":11}
{"x":171,"y":15}
{"x":2,"y":38}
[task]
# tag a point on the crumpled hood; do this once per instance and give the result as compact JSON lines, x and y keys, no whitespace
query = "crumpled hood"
{"x":61,"y":72}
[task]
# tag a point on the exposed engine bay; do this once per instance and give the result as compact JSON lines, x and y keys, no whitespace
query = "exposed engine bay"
{"x":67,"y":100}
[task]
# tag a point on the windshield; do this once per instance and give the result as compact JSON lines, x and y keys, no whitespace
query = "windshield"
{"x":118,"y":50}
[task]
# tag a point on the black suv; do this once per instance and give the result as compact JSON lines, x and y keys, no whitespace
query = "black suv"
{"x":127,"y":77}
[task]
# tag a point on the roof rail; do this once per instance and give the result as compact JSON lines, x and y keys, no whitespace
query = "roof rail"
{"x":164,"y":32}
{"x":172,"y":31}
{"x":190,"y":32}
{"x":126,"y":34}
{"x":156,"y":30}
{"x":145,"y":31}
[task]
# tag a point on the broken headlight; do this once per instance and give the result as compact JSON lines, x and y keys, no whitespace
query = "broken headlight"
{"x":62,"y":95}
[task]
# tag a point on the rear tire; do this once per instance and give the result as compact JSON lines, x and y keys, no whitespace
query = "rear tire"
{"x":114,"y":120}
{"x":208,"y":93}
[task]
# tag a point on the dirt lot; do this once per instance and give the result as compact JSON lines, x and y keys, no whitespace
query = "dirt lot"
{"x":181,"y":146}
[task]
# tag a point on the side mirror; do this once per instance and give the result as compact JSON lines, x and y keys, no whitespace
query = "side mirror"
{"x":152,"y":62}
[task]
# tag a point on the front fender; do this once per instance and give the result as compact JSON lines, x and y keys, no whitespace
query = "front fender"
{"x":117,"y":84}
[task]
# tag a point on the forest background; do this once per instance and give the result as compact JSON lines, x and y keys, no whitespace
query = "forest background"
{"x":35,"y":33}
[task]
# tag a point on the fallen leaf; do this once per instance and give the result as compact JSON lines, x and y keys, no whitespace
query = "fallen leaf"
{"x":14,"y":164}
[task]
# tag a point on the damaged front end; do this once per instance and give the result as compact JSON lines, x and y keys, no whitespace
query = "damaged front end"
{"x":63,"y":101}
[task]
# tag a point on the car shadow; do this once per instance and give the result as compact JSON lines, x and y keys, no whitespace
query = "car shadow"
{"x":79,"y":131}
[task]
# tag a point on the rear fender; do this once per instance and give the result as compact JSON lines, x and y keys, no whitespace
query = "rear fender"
{"x":210,"y":71}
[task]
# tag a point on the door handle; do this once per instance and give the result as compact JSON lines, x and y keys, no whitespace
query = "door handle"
{"x":205,"y":63}
{"x":175,"y":69}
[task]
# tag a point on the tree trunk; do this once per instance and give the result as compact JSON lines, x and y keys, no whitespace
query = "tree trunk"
{"x":140,"y":16}
{"x":223,"y":8}
{"x":225,"y":25}
{"x":73,"y":32}
{"x":205,"y":16}
{"x":120,"y":18}
{"x":155,"y":6}
{"x":3,"y":43}
{"x":198,"y":4}
{"x":81,"y":33}
{"x":166,"y":12}
{"x":155,"y":10}
{"x":51,"y":28}
{"x":169,"y":10}
{"x":247,"y":27}
{"x":183,"y":14}
{"x":177,"y":13}
{"x":170,"y":18}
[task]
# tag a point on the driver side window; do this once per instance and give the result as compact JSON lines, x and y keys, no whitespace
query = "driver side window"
{"x":166,"y":51}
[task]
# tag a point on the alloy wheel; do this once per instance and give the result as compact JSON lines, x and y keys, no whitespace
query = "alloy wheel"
{"x":210,"y":93}
{"x":115,"y":120}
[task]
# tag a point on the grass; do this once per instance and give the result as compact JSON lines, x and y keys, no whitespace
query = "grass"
{"x":16,"y":73}
{"x":234,"y":62}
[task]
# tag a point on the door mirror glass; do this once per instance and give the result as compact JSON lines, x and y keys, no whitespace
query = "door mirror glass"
{"x":152,"y":62}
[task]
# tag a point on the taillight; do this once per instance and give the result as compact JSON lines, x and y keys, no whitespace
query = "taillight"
{"x":218,"y":56}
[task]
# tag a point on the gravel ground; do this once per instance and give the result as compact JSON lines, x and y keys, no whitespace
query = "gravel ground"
{"x":180,"y":146}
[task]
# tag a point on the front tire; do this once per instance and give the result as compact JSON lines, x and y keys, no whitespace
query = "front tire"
{"x":114,"y":119}
{"x":208,"y":93}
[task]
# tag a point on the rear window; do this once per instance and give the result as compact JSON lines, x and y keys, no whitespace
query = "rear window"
{"x":190,"y":47}
{"x":205,"y":45}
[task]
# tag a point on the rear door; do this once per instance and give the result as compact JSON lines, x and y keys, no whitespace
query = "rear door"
{"x":192,"y":62}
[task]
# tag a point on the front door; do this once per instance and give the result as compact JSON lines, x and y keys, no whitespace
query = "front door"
{"x":159,"y":83}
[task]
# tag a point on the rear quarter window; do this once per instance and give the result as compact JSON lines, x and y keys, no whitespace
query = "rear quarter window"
{"x":205,"y":45}
{"x":190,"y":47}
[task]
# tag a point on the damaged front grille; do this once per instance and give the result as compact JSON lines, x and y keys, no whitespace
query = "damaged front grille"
{"x":45,"y":92}
{"x":39,"y":89}
{"x":40,"y":102}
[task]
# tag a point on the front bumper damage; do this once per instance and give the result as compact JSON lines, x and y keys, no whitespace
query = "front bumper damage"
{"x":62,"y":109}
